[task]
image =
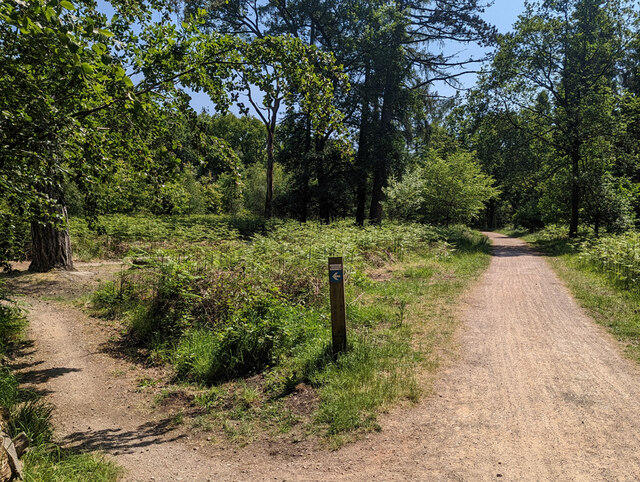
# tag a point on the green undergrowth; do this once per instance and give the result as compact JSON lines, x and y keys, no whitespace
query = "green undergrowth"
{"x":23,"y":411}
{"x":603,"y":273}
{"x":119,"y":235}
{"x":249,"y":319}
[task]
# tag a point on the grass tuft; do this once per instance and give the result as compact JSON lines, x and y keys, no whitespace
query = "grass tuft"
{"x":49,"y":463}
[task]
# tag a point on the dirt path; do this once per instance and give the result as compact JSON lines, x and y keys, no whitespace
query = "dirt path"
{"x":98,"y":407}
{"x":539,"y":393}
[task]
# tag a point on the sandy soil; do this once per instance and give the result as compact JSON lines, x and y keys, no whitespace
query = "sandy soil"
{"x":538,"y":392}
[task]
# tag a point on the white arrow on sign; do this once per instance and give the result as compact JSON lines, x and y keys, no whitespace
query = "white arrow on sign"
{"x":336,"y":276}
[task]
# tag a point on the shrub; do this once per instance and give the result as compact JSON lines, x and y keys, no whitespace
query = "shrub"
{"x":244,"y":346}
{"x":441,"y":190}
{"x":255,"y":187}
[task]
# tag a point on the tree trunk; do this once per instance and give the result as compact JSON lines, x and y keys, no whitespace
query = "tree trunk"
{"x":323,"y":183}
{"x":51,"y":245}
{"x":306,"y":195}
{"x":575,"y":193}
{"x":377,"y":195}
{"x":491,"y":215}
{"x":384,"y":149}
{"x":323,"y":197}
{"x":268,"y":209}
{"x":361,"y":197}
{"x":362,"y":156}
{"x":306,"y":174}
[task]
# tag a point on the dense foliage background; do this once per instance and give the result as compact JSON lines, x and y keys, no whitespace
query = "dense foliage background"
{"x":340,"y":117}
{"x":554,"y":118}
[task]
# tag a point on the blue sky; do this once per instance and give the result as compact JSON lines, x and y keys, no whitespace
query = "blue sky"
{"x":502,"y":14}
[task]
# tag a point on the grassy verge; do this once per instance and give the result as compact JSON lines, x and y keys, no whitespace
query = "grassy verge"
{"x":246,"y":323}
{"x":600,"y":274}
{"x":22,"y":411}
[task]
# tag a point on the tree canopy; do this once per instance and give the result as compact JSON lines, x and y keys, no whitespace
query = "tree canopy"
{"x":73,"y":112}
{"x":550,"y":109}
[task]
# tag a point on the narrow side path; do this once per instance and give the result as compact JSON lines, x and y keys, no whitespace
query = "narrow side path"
{"x":96,"y":403}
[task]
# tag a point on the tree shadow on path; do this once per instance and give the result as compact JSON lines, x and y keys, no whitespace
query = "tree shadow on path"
{"x":38,"y":377}
{"x":118,"y":441}
{"x":512,"y":251}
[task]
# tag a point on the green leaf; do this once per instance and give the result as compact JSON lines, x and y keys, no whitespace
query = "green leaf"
{"x":119,"y":72}
{"x":99,"y":48}
{"x":67,"y":4}
{"x":87,"y":68}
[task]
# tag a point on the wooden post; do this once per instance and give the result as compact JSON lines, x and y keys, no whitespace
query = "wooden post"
{"x":338,"y":308}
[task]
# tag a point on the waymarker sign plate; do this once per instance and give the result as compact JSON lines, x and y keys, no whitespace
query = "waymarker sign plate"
{"x":335,"y":273}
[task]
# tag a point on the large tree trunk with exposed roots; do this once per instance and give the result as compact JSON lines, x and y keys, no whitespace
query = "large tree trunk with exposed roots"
{"x":51,"y":244}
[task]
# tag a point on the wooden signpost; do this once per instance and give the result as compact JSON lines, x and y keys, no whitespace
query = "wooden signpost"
{"x":338,"y":308}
